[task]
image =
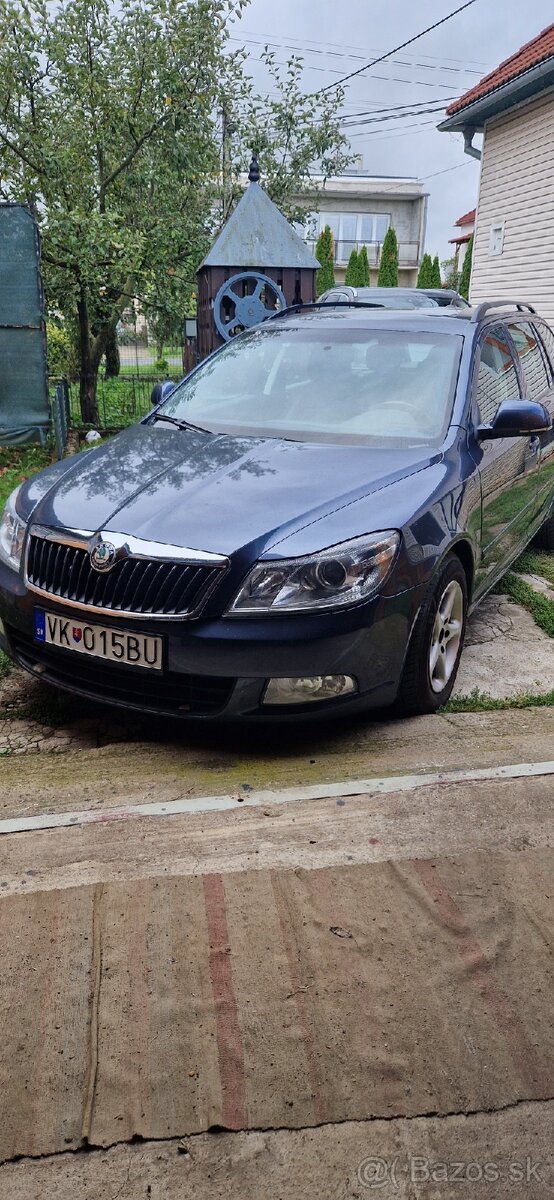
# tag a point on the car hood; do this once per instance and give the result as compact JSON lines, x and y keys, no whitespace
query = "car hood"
{"x":216,"y":492}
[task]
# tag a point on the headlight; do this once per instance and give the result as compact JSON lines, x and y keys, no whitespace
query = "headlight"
{"x":337,"y":577}
{"x":12,"y":533}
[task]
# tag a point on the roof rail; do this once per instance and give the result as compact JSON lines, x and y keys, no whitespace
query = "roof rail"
{"x":292,"y":308}
{"x":521,"y":306}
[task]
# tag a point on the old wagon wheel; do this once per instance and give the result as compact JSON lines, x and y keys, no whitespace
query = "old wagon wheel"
{"x":244,"y":301}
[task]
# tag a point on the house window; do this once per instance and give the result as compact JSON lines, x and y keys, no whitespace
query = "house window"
{"x":351,"y":231}
{"x":496,"y":238}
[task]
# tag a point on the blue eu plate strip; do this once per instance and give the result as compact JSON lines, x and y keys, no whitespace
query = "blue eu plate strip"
{"x":40,"y":625}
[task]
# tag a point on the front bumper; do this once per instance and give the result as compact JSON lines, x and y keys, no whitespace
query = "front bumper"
{"x":219,"y":668}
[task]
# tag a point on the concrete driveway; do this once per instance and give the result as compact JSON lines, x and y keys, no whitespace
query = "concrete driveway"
{"x":308,"y":964}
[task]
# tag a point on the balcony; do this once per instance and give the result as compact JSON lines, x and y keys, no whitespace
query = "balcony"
{"x":408,"y":252}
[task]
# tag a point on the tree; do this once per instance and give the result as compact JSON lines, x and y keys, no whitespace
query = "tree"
{"x":351,"y":276}
{"x":388,"y":266}
{"x":109,"y":131}
{"x":290,"y":129}
{"x":425,"y":275}
{"x":437,"y":281}
{"x":325,"y":254}
{"x":363,"y":268}
{"x":465,"y":277}
{"x":451,"y":273}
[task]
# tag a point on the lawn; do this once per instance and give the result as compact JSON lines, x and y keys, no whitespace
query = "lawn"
{"x":17,"y":463}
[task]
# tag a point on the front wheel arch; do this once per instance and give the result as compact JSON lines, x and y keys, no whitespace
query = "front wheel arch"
{"x":416,"y":694}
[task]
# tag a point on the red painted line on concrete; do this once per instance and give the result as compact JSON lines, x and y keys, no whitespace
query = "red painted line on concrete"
{"x":300,"y":1001}
{"x":532,"y":1068}
{"x":229,"y":1038}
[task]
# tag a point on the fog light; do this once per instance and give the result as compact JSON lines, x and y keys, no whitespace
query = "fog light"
{"x":312,"y":687}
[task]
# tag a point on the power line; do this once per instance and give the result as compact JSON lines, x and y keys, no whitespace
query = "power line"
{"x":304,"y":49}
{"x":390,"y":136}
{"x":387,"y":78}
{"x":391,"y":117}
{"x":268,"y":37}
{"x":447,"y":169}
{"x":402,"y":46}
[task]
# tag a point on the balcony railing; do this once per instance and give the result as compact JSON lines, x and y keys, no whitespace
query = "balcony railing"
{"x":408,"y":252}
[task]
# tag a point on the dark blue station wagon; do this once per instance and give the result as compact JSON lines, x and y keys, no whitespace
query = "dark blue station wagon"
{"x":302,"y":526}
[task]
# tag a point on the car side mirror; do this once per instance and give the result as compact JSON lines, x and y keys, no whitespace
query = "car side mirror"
{"x":516,"y":418}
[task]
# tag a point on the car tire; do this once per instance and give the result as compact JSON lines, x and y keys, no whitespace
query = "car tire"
{"x":545,"y":537}
{"x":436,"y":643}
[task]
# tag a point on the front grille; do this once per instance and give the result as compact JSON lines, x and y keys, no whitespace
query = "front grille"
{"x":140,"y":586}
{"x":172,"y":693}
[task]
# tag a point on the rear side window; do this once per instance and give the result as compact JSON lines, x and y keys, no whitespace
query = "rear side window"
{"x":531,"y":360}
{"x":497,"y":377}
{"x":548,"y":342}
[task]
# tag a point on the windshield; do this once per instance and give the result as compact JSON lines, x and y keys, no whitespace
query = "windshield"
{"x":325,"y":384}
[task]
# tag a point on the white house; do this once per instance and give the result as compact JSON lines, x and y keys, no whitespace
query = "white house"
{"x":513,"y":106}
{"x":465,"y":226}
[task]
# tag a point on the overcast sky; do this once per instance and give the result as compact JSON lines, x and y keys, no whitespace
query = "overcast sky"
{"x":440,"y":66}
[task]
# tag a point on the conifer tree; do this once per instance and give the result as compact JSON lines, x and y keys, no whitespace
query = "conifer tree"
{"x":388,"y":266}
{"x":325,"y":254}
{"x":363,"y":268}
{"x":465,"y":277}
{"x":351,"y":276}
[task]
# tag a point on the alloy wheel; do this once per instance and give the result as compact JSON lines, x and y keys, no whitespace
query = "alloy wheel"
{"x":446,"y":636}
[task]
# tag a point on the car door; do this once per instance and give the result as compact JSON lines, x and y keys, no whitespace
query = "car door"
{"x":508,"y":467}
{"x":546,"y":470}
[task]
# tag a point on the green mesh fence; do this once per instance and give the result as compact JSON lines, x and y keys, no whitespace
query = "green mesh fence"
{"x":24,"y":408}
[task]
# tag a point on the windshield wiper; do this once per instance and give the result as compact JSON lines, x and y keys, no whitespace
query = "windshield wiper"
{"x":179,"y":424}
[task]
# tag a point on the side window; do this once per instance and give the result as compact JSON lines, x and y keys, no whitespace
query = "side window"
{"x":530,"y":360}
{"x":548,"y":342}
{"x":497,"y":377}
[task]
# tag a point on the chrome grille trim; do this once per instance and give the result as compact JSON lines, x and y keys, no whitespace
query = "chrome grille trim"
{"x":148,"y":579}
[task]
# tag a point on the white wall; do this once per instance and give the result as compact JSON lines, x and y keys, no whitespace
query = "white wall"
{"x":517,"y":189}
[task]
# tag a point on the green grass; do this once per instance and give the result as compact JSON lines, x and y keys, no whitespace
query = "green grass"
{"x":477,"y":701}
{"x":17,"y":463}
{"x":541,"y":607}
{"x":5,"y":665}
{"x":537,"y":562}
{"x":121,"y":401}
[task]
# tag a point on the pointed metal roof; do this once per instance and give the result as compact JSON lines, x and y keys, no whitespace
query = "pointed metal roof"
{"x":258,"y":235}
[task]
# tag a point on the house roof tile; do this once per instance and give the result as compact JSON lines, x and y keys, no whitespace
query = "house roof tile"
{"x":534,"y":52}
{"x":467,"y":219}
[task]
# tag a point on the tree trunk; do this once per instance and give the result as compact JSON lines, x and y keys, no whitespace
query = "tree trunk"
{"x":113,"y":361}
{"x":88,"y":368}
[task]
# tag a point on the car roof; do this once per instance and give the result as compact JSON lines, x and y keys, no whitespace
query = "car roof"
{"x":356,"y":316}
{"x":362,"y":292}
{"x":440,"y":292}
{"x":437,"y":319}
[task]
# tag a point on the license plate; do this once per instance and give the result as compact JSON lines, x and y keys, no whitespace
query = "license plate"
{"x":99,"y":641}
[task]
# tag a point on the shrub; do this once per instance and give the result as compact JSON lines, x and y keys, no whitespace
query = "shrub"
{"x":465,"y":277}
{"x":425,"y":275}
{"x":437,"y":281}
{"x":363,"y":268}
{"x":388,"y":266}
{"x":62,"y":355}
{"x":351,"y":276}
{"x":325,"y":254}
